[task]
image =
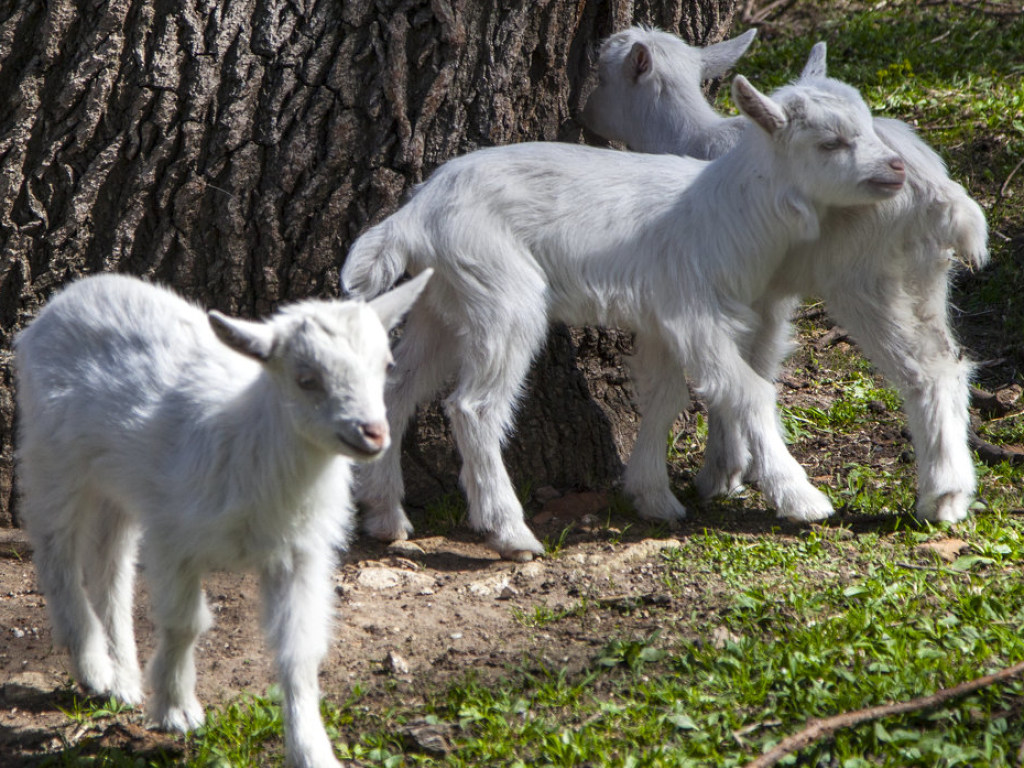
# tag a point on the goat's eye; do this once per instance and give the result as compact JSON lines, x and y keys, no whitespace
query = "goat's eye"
{"x":832,"y":145}
{"x":309,"y":382}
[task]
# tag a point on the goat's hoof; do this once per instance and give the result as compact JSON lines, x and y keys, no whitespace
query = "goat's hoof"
{"x":521,"y":548}
{"x":660,"y":507}
{"x":950,"y":507}
{"x":810,"y":508}
{"x":386,"y":524}
{"x":713,"y":486}
{"x":518,"y":556}
{"x":95,"y":672}
{"x":130,"y":694}
{"x":319,"y":754}
{"x":181,"y":719}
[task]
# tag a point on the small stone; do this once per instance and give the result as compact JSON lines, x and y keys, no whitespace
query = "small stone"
{"x":428,"y":736}
{"x":546,"y":493}
{"x":395,"y":664}
{"x":721,"y":636}
{"x":489,"y":586}
{"x":405,"y":548}
{"x":379,"y":578}
{"x":531,"y":571}
{"x":19,"y":633}
{"x":426,"y":591}
{"x":455,"y":635}
{"x":508,"y":592}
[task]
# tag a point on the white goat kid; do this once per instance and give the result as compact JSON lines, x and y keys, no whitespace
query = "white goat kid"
{"x":882,"y":270}
{"x":674,"y":249}
{"x":649,"y":93}
{"x":211,"y":443}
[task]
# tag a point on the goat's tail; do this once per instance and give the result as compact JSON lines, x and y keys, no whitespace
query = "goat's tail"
{"x":375,"y":262}
{"x":968,"y":230}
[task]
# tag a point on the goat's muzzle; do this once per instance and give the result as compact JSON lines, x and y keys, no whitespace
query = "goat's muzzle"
{"x":892,"y":179}
{"x":365,"y":439}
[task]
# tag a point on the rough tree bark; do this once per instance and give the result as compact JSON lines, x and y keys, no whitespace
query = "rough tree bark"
{"x":234,"y":148}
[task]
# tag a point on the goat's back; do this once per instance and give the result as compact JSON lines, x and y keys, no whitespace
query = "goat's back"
{"x":97,"y":368}
{"x":115,"y":341}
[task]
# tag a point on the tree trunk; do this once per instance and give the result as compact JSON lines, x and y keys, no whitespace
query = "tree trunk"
{"x":235,"y":148}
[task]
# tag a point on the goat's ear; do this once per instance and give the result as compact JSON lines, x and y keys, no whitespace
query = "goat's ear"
{"x":805,"y":218}
{"x":756,"y":106}
{"x":255,"y":340}
{"x":816,"y":65}
{"x":639,"y":62}
{"x":717,"y":59}
{"x":392,"y":306}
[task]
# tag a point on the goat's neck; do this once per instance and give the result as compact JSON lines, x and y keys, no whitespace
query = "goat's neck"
{"x":271,"y":464}
{"x":683,"y":125}
{"x":749,"y":223}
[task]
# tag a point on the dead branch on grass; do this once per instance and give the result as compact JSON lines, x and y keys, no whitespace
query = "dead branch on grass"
{"x":822,"y":729}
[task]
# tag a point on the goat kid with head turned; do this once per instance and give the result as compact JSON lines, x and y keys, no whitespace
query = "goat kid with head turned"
{"x":204,"y":442}
{"x":882,"y":270}
{"x":674,"y":249}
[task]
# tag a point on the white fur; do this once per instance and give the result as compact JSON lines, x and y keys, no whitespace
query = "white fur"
{"x":202,"y":442}
{"x":883,"y":270}
{"x":649,"y":93}
{"x":674,"y":249}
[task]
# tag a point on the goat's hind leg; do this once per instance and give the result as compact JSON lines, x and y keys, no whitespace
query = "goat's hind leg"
{"x":907,"y":336}
{"x":423,"y":362}
{"x":496,"y":357}
{"x":662,"y":391}
{"x":110,"y":578}
{"x":56,"y":523}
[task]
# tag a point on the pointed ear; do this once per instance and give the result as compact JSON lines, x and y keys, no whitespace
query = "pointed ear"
{"x":805,"y":218}
{"x":255,"y":340}
{"x":816,"y":65}
{"x":756,"y":106}
{"x":717,"y":59}
{"x":392,"y":306}
{"x":639,"y":62}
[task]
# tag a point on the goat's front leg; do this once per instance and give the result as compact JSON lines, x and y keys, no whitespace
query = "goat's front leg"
{"x":904,"y":331}
{"x":739,"y":394}
{"x":181,"y":613}
{"x":661,"y":387}
{"x":297,"y":603}
{"x":423,"y":361}
{"x":727,"y":455}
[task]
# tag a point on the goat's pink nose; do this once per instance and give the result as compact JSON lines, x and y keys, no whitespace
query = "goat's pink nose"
{"x":897,"y":165}
{"x":375,"y":432}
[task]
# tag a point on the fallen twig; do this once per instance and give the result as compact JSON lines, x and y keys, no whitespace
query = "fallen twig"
{"x":821,"y":729}
{"x":934,"y":568}
{"x":831,"y":337}
{"x":749,"y":16}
